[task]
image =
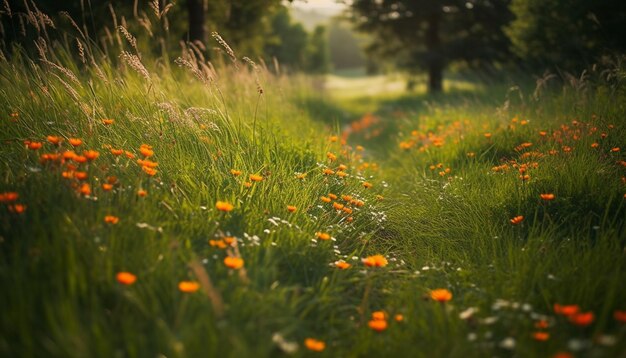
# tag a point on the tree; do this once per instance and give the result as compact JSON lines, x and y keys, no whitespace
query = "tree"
{"x":318,"y":56}
{"x":567,"y":34}
{"x":196,"y":17}
{"x":287,"y":41}
{"x":431,"y":34}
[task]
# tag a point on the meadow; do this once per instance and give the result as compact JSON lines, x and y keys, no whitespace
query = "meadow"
{"x":161,"y":205}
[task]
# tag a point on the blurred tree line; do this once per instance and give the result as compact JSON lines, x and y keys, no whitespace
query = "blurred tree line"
{"x":431,"y":35}
{"x":414,"y":35}
{"x":259,"y":29}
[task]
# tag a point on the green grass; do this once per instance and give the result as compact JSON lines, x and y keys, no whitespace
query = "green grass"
{"x":59,"y":258}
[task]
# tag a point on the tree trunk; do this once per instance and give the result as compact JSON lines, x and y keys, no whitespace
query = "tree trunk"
{"x":196,"y":21}
{"x":435,"y":57}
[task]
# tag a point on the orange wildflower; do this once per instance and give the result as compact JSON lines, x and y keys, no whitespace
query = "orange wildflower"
{"x":81,"y":175}
{"x":566,"y":310}
{"x":54,"y":139}
{"x":126,"y":278}
{"x":399,"y":318}
{"x":75,"y":142}
{"x":255,"y":177}
{"x":235,"y":172}
{"x":620,"y":316}
{"x":516,"y":220}
{"x":342,"y":265}
{"x":220,"y":244}
{"x":149,"y":171}
{"x":224,"y":206}
{"x":314,"y":345}
{"x":379,"y":316}
{"x":107,"y":121}
{"x":188,"y":286}
{"x":142,"y":193}
{"x":110,"y":219}
{"x":17,"y":208}
{"x":85,"y":189}
{"x":107,"y":187}
{"x":146,"y":150}
{"x":375,"y":261}
{"x":377,"y":325}
{"x":91,"y":154}
{"x":615,"y":150}
{"x":232,"y":262}
{"x":325,"y":199}
{"x":117,"y":151}
{"x":342,"y":167}
{"x":441,"y":295}
{"x":80,"y":159}
{"x":129,"y":155}
{"x":112,"y":179}
{"x":291,"y":208}
{"x":337,"y":206}
{"x":69,"y":154}
{"x":582,"y":319}
{"x":332,"y":196}
{"x":547,"y":197}
{"x":595,"y":145}
{"x":34,"y":145}
{"x":487,"y":135}
{"x":341,"y":174}
{"x":247,"y":184}
{"x":8,"y":196}
{"x":367,"y":185}
{"x":328,"y":171}
{"x":147,"y":163}
{"x":322,"y":236}
{"x":542,"y":324}
{"x":541,"y":336}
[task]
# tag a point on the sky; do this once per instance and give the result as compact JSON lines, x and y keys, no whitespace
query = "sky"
{"x":327,"y":7}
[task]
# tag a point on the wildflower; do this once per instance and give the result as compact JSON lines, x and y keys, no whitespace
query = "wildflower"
{"x":147,"y":163}
{"x":224,"y":206}
{"x":333,"y":138}
{"x":85,"y":189}
{"x":322,"y":236}
{"x":107,"y":187}
{"x":487,"y":135}
{"x":615,"y":150}
{"x":291,"y":208}
{"x":17,"y":208}
{"x":301,"y":176}
{"x":375,"y":261}
{"x":380,"y":197}
{"x":328,"y":171}
{"x":337,"y":206}
{"x":566,"y":310}
{"x":325,"y":199}
{"x":582,"y":319}
{"x":75,"y":142}
{"x":441,"y":295}
{"x":341,"y":174}
{"x":542,"y":324}
{"x":314,"y":345}
{"x":126,"y":278}
{"x":620,"y":316}
{"x":234,"y":263}
{"x":516,"y":220}
{"x":377,"y":325}
{"x":146,"y":150}
{"x":54,"y":139}
{"x":110,"y":219}
{"x":91,"y":154}
{"x":332,"y":196}
{"x":229,"y":240}
{"x":188,"y":286}
{"x":235,"y":172}
{"x":332,"y":157}
{"x":342,"y":167}
{"x":129,"y":155}
{"x":142,"y":193}
{"x":379,"y":316}
{"x":367,"y":185}
{"x":117,"y":152}
{"x":360,"y":148}
{"x":255,"y":177}
{"x":9,"y":196}
{"x":111,"y":179}
{"x":34,"y":145}
{"x":107,"y":121}
{"x":595,"y":145}
{"x":541,"y":336}
{"x":399,"y":318}
{"x":547,"y":197}
{"x":149,"y":171}
{"x":220,"y":244}
{"x":247,"y":184}
{"x":80,"y":175}
{"x":342,"y":265}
